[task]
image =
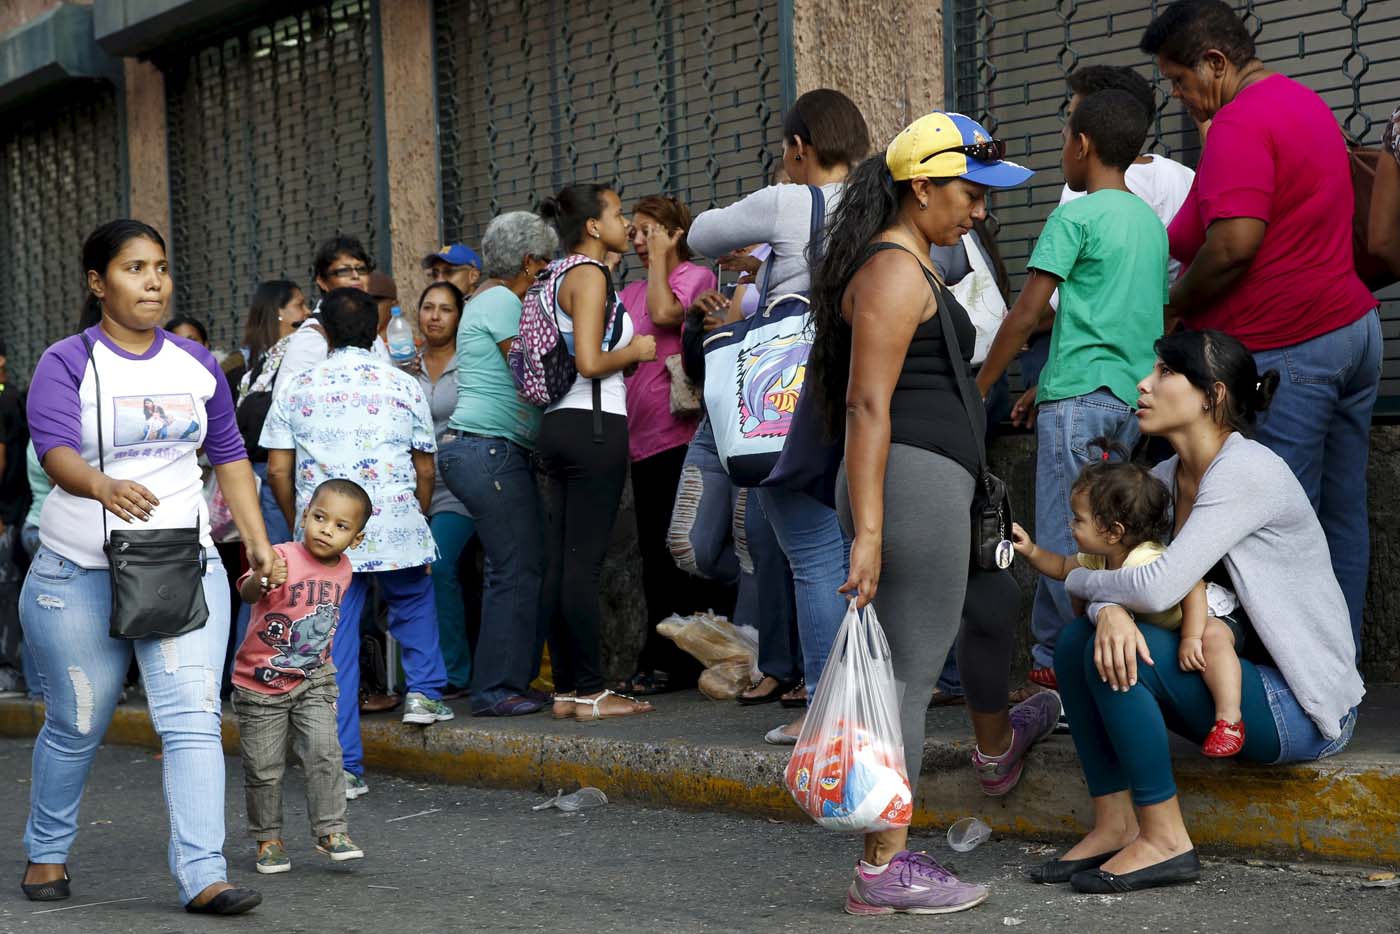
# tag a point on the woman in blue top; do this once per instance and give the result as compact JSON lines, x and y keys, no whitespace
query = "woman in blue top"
{"x":485,"y":459}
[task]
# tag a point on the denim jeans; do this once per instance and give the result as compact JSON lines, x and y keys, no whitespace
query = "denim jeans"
{"x":408,"y":592}
{"x":65,"y":611}
{"x":721,"y":532}
{"x":452,"y":531}
{"x":1063,"y":431}
{"x":494,"y":479}
{"x":1320,"y":423}
{"x":819,"y":553}
{"x":1299,"y":738}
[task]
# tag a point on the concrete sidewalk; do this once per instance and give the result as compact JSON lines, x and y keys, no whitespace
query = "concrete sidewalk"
{"x":703,"y":754}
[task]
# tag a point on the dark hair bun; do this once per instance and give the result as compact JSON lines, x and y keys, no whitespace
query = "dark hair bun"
{"x":549,"y":209}
{"x":1264,"y":390}
{"x":1108,"y":451}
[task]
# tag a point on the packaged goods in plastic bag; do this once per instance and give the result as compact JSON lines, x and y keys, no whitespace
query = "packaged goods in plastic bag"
{"x":709,"y":638}
{"x":847,"y":770}
{"x":725,"y":680}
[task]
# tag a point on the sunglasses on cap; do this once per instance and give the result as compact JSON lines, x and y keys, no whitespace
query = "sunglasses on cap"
{"x":992,"y":150}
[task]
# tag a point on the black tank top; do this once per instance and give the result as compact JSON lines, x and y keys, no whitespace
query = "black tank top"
{"x":926,"y":410}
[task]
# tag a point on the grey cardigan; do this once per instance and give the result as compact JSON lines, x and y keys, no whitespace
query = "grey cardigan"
{"x":1251,"y":512}
{"x":780,"y":215}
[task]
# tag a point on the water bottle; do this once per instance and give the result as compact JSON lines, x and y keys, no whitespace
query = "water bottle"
{"x":400,"y":338}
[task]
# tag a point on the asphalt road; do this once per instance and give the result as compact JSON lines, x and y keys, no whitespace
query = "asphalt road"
{"x":452,"y":858}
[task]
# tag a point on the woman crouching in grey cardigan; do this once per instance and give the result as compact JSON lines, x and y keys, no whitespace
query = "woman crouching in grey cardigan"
{"x":1242,"y":520}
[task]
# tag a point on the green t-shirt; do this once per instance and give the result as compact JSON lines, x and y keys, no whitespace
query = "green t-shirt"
{"x":487,"y":403}
{"x":1109,"y":249}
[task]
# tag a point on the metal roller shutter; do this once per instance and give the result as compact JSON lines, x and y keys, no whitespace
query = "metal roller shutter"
{"x":1011,"y":57}
{"x":62,"y":175}
{"x":678,"y":97}
{"x":272,"y":150}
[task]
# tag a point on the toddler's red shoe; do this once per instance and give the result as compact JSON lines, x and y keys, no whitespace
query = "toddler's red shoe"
{"x":1225,"y":740}
{"x":1045,"y":677}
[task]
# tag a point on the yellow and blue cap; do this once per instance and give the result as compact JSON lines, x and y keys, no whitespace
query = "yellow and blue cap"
{"x":949,"y":145}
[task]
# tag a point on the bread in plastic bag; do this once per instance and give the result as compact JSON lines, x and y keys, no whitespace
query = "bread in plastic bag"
{"x":847,"y":770}
{"x":709,"y":638}
{"x":725,"y":680}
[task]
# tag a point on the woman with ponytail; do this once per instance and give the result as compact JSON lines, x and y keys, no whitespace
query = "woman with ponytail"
{"x":894,"y":389}
{"x":1240,"y":519}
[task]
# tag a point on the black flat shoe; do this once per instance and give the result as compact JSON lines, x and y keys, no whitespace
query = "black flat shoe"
{"x":1059,"y":870}
{"x":55,"y":891}
{"x":1174,"y":871}
{"x":234,"y":901}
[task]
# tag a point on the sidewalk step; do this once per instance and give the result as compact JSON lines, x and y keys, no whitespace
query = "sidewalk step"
{"x":700,"y":754}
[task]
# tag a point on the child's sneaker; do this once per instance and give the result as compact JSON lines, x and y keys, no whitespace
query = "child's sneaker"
{"x":339,"y":846}
{"x":1224,"y":740}
{"x":913,"y":883}
{"x":273,"y":858}
{"x":1031,"y":721}
{"x":354,"y":786}
{"x":423,"y":710}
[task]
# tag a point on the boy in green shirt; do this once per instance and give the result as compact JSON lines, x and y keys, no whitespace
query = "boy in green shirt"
{"x":1107,"y":254}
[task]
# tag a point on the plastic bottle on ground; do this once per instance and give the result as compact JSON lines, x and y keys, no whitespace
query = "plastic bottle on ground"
{"x":968,"y":834}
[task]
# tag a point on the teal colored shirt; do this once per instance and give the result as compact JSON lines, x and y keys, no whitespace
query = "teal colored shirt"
{"x":1109,"y":249}
{"x":39,"y":486}
{"x":487,"y":403}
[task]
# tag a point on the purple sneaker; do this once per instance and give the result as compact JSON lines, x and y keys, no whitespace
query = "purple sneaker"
{"x":1031,"y":721}
{"x":913,"y":883}
{"x":514,"y":706}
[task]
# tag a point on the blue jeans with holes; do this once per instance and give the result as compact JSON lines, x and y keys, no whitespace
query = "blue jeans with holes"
{"x":494,"y":479}
{"x":1320,"y":423}
{"x":65,"y":610}
{"x":1063,"y":431}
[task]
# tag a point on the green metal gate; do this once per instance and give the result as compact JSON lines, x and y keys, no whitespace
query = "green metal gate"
{"x":1010,"y":58}
{"x":273,"y":147}
{"x":683,"y":97}
{"x":62,"y":173}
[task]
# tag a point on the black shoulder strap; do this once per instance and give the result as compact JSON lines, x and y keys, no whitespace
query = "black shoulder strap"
{"x":814,"y":241}
{"x":966,"y":391}
{"x":101,"y":455}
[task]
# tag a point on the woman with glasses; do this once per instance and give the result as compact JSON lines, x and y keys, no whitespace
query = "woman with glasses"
{"x":341,"y":263}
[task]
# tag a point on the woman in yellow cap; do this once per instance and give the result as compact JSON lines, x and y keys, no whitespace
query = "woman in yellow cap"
{"x":895,"y":389}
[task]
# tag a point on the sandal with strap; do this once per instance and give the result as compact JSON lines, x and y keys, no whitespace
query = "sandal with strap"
{"x":563,"y":701}
{"x":752,"y":700}
{"x":594,"y":712}
{"x":1225,"y":740}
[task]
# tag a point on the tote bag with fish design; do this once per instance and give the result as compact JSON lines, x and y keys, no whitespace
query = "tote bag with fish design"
{"x":754,"y":372}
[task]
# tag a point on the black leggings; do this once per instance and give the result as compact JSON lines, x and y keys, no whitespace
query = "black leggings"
{"x":584,"y":479}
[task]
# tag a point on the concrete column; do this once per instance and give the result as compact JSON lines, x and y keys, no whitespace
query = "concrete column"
{"x":886,"y":55}
{"x":405,"y":36}
{"x":147,"y":155}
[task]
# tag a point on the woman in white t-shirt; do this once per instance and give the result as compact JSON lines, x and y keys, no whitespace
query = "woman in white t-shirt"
{"x":125,"y":365}
{"x":583,"y":447}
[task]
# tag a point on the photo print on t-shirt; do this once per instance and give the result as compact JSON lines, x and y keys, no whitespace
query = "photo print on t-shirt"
{"x":154,"y":419}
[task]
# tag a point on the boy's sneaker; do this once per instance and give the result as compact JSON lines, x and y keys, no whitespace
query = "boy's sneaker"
{"x":1031,"y":721}
{"x":354,"y":786}
{"x":339,"y":847}
{"x":420,"y":709}
{"x":913,"y":883}
{"x":273,"y":858}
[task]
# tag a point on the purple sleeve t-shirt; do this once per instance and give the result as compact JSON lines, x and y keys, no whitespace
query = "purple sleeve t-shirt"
{"x":157,"y":408}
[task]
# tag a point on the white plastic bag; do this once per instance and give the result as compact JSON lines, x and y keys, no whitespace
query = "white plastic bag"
{"x":847,"y":769}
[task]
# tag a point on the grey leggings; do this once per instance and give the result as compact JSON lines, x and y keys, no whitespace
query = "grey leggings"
{"x":927,"y":598}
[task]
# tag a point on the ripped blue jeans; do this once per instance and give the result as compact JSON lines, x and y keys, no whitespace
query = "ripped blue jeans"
{"x":65,"y":610}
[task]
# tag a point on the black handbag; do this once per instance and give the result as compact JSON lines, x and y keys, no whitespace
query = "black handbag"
{"x":251,"y":412}
{"x":157,"y":574}
{"x":991,"y":499}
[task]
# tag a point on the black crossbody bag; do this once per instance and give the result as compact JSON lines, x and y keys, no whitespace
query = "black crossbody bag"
{"x":991,"y":499}
{"x":157,"y":574}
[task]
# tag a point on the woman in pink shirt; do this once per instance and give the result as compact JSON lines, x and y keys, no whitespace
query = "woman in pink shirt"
{"x":657,"y":438}
{"x":1265,"y":241}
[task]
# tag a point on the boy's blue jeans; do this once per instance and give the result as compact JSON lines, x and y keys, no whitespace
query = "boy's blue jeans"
{"x":65,"y":611}
{"x":1320,"y":423}
{"x":1063,"y":431}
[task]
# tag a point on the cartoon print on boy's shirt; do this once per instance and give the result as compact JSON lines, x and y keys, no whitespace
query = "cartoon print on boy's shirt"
{"x":300,"y":644}
{"x":154,"y":419}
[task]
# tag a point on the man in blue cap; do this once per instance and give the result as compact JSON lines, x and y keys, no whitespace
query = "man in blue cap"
{"x":456,"y":263}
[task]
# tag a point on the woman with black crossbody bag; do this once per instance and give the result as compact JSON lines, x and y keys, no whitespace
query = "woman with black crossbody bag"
{"x":127,"y":565}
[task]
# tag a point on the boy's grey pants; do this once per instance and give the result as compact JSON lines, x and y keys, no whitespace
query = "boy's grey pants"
{"x":305,"y":716}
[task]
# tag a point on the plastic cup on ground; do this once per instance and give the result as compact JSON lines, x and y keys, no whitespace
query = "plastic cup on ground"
{"x":968,"y":834}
